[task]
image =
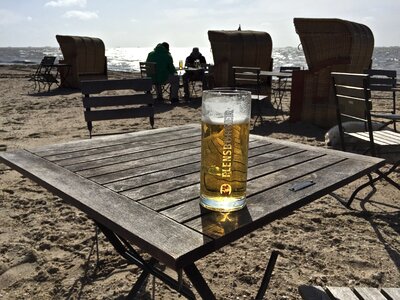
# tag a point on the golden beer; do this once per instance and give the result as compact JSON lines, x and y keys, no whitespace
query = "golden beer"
{"x":224,"y":152}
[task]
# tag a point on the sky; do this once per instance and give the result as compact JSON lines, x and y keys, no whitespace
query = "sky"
{"x":183,"y":23}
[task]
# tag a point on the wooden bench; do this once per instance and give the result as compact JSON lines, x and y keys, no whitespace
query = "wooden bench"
{"x":308,"y":292}
{"x":138,"y":103}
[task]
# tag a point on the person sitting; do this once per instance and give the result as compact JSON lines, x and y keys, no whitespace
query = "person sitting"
{"x":194,"y":60}
{"x":165,"y":70}
{"x":195,"y":55}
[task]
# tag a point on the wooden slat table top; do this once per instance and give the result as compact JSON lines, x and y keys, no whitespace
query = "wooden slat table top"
{"x":145,"y":186}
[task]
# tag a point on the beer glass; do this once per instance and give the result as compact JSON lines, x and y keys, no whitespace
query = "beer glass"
{"x":180,"y":64}
{"x":225,"y":123}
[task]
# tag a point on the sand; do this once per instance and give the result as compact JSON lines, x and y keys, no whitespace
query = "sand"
{"x":46,"y":245}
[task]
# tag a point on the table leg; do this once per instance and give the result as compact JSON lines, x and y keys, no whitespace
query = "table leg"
{"x":205,"y":292}
{"x":279,"y":94}
{"x":128,"y":252}
{"x":198,"y":282}
{"x":140,"y":282}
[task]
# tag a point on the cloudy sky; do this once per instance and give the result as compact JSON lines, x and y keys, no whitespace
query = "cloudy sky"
{"x":183,"y":23}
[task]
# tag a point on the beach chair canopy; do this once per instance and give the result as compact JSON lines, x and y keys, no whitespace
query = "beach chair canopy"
{"x":243,"y":48}
{"x":329,"y":45}
{"x":334,"y":42}
{"x":86,"y":55}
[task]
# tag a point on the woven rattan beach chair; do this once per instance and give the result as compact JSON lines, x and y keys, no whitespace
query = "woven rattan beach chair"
{"x":329,"y":45}
{"x":353,"y":103}
{"x":86,"y":58}
{"x":243,"y":48}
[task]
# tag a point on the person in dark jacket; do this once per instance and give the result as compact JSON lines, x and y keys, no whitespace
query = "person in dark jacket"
{"x":165,"y":70}
{"x":195,"y":55}
{"x":194,"y":60}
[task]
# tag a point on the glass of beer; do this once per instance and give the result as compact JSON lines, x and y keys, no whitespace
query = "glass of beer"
{"x":180,"y":64}
{"x":225,"y":123}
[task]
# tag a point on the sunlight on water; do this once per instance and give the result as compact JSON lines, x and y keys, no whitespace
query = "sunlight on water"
{"x":127,"y":59}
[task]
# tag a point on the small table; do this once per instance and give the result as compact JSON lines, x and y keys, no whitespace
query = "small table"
{"x":143,"y":188}
{"x":280,"y":89}
{"x":62,"y":72}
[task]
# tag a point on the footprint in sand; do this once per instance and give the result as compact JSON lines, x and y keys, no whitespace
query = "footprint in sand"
{"x":23,"y":268}
{"x":16,"y":273}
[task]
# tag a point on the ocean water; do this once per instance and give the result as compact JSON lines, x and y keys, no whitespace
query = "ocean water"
{"x":127,"y":59}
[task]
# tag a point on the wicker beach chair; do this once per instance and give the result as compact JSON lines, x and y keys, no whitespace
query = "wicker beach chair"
{"x":243,"y":48}
{"x":86,"y":58}
{"x":329,"y":45}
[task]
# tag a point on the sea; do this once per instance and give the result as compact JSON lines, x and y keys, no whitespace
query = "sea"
{"x":127,"y":59}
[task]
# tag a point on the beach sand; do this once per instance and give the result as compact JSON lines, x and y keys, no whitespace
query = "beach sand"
{"x":45,"y":243}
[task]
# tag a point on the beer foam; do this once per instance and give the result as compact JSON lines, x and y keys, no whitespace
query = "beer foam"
{"x":214,"y":111}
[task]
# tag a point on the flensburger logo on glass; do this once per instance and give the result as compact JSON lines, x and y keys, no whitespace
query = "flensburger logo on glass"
{"x":227,"y":154}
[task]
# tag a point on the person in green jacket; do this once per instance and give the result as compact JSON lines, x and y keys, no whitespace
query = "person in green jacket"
{"x":165,"y":70}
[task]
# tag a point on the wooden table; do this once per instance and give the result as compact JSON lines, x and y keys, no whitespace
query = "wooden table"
{"x":144,"y":188}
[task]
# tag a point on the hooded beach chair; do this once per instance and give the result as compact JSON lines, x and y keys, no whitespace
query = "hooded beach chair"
{"x":240,"y":48}
{"x":329,"y":45}
{"x":86,"y":58}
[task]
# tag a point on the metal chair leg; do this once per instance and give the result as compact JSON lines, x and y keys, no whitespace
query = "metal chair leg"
{"x":371,"y":182}
{"x":267,"y":275}
{"x":385,"y":175}
{"x":353,"y":195}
